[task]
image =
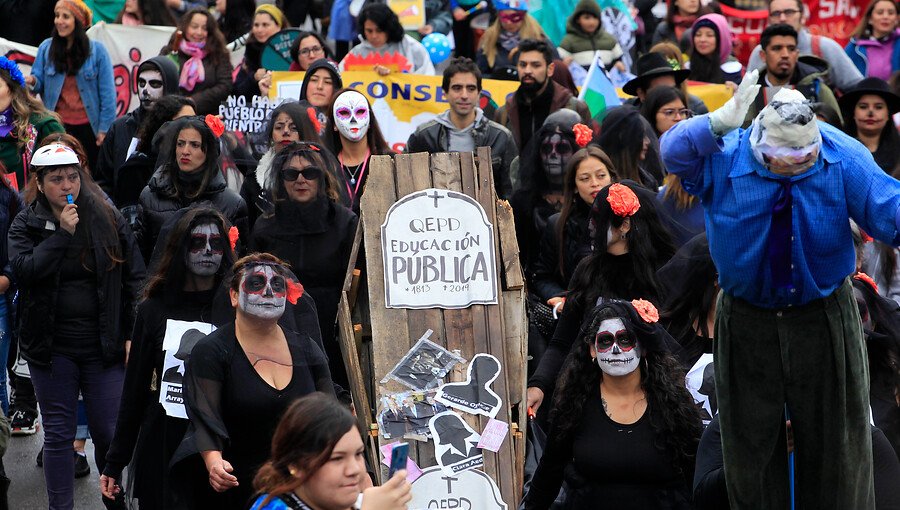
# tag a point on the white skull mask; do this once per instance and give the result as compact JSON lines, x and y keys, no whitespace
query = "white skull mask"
{"x":205,"y":250}
{"x":351,"y":115}
{"x":150,"y":87}
{"x":263,"y":292}
{"x":617,"y":350}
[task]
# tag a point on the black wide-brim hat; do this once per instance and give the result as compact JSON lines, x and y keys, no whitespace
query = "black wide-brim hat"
{"x":875,"y":86}
{"x":649,"y":66}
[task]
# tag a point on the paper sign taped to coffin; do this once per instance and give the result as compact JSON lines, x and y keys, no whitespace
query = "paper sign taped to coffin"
{"x":474,"y":395}
{"x":180,"y":339}
{"x":455,"y":443}
{"x":472,"y":489}
{"x":701,"y":382}
{"x":438,"y":250}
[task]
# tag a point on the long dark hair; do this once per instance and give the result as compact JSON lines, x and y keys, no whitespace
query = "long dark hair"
{"x":69,"y":60}
{"x":301,"y":118}
{"x":238,"y":18}
{"x":317,"y":156}
{"x":573,"y":203}
{"x":164,"y":109}
{"x":374,"y":138}
{"x":169,"y":274}
{"x":208,"y":143}
{"x":689,"y":280}
{"x":302,"y":443}
{"x":649,"y":245}
{"x":673,"y":416}
{"x":888,"y":142}
{"x":706,"y":68}
{"x":153,"y":12}
{"x":215,"y":41}
{"x":622,"y":138}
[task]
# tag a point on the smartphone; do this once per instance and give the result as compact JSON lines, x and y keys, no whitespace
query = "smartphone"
{"x":399,"y":456}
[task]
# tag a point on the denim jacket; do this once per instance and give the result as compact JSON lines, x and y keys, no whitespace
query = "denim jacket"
{"x":95,"y":84}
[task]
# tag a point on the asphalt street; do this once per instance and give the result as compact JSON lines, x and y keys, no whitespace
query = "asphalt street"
{"x":27,"y":490}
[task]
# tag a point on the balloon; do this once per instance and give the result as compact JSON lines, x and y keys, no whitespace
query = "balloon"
{"x":438,"y":46}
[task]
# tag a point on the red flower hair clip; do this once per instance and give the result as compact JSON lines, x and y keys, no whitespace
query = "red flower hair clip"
{"x":215,"y":124}
{"x":314,"y":118}
{"x":866,"y":238}
{"x":233,"y":237}
{"x":622,"y":200}
{"x":863,"y":277}
{"x":294,"y":291}
{"x":646,"y":310}
{"x":583,"y":134}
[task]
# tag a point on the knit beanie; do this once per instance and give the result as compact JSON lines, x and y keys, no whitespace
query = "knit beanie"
{"x":79,"y":10}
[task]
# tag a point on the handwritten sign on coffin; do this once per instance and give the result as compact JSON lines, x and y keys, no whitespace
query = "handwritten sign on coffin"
{"x":438,"y":251}
{"x":471,"y":489}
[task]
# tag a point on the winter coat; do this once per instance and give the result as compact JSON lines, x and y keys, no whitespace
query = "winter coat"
{"x":95,"y":84}
{"x":581,"y":46}
{"x":315,"y":239}
{"x":809,"y":78}
{"x":546,"y":279}
{"x":11,"y":153}
{"x":508,"y":114}
{"x":858,"y":49}
{"x":158,"y":203}
{"x":119,"y":137}
{"x":37,"y":247}
{"x":210,"y":93}
{"x":415,"y":53}
{"x":244,"y":83}
{"x":434,"y":136}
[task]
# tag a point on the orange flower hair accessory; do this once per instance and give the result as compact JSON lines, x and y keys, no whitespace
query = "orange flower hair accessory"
{"x":622,"y":200}
{"x":294,"y":290}
{"x":215,"y":124}
{"x":233,"y":237}
{"x":863,"y":277}
{"x":646,"y":310}
{"x":314,"y":118}
{"x":583,"y":134}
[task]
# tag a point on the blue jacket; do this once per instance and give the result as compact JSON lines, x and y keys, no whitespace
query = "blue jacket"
{"x":95,"y":84}
{"x":857,"y":54}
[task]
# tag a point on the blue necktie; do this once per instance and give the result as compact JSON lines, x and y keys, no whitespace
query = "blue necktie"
{"x":780,"y":237}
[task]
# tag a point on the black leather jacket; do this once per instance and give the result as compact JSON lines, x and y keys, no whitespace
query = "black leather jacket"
{"x":433,"y":137}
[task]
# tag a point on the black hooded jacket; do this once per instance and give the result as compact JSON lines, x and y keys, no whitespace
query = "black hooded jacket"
{"x":37,"y":247}
{"x":322,"y":63}
{"x":112,"y":153}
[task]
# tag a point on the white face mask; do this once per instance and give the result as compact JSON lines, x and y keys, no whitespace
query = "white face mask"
{"x":263,"y":293}
{"x":150,"y":87}
{"x":617,"y":350}
{"x":351,"y":115}
{"x":205,"y":250}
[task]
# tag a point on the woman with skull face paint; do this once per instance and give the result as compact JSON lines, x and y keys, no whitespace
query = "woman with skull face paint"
{"x":182,"y":287}
{"x":355,"y":137}
{"x":624,"y":428}
{"x":624,"y":219}
{"x":312,"y":231}
{"x":242,"y":377}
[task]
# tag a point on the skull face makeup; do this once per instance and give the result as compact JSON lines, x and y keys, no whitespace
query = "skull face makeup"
{"x":205,"y":250}
{"x":555,"y":153}
{"x":263,"y":292}
{"x":617,"y":350}
{"x":351,"y":115}
{"x":150,"y":87}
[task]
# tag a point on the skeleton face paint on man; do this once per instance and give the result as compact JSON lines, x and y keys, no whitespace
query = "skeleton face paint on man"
{"x":555,"y":153}
{"x":150,"y":87}
{"x":351,"y":115}
{"x":617,"y":350}
{"x":262,"y":293}
{"x":205,"y":250}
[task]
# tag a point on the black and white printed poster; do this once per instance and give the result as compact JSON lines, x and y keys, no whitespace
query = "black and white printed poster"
{"x":180,"y":339}
{"x":474,"y":395}
{"x":455,"y":443}
{"x":438,"y":250}
{"x":424,"y":366}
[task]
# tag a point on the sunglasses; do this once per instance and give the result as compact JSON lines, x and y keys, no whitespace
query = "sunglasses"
{"x":309,"y":173}
{"x":605,"y":340}
{"x":514,"y":17}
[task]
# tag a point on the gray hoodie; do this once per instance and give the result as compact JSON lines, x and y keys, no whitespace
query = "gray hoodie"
{"x":461,"y":140}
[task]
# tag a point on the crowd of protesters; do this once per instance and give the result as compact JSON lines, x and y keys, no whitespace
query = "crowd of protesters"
{"x":115,"y":226}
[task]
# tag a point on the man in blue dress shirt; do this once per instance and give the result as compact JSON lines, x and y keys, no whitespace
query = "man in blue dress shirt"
{"x":778,"y":197}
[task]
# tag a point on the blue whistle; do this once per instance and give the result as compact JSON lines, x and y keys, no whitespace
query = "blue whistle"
{"x":69,"y":199}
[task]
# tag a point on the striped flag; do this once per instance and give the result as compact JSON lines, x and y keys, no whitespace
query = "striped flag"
{"x":598,"y":91}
